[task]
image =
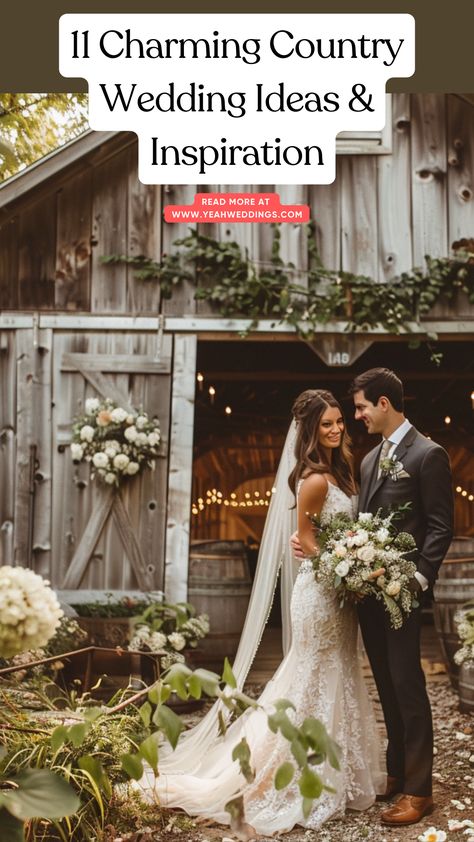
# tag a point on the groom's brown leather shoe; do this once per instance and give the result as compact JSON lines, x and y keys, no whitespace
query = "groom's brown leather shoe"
{"x":408,"y":810}
{"x":393,"y":787}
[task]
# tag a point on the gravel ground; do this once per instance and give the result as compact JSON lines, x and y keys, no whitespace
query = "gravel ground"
{"x":453,"y":793}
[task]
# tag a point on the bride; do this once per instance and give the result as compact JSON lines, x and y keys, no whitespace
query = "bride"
{"x":320,"y":673}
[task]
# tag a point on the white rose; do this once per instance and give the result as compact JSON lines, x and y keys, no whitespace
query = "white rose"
{"x":118,"y":415}
{"x":153,"y":439}
{"x":342,"y":569}
{"x":131,"y":433}
{"x":130,"y":419}
{"x":141,"y":422}
{"x":87,"y":432}
{"x":365,"y":517}
{"x":340,"y":550}
{"x":366,"y":553}
{"x":177,"y":641}
{"x":77,"y":451}
{"x":361,"y":537}
{"x":92,"y":404}
{"x":382,"y":535}
{"x":110,"y":478}
{"x":393,"y":588}
{"x":100,"y":460}
{"x":381,"y":581}
{"x":132,"y":468}
{"x":121,"y":461}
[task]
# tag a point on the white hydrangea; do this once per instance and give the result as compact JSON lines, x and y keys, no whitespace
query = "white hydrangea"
{"x":365,"y":517}
{"x":177,"y":641}
{"x":382,"y":535}
{"x":141,"y":422}
{"x":361,"y":537}
{"x":77,"y":452}
{"x":86,"y":433}
{"x":141,"y":439}
{"x":29,"y":611}
{"x":112,"y":447}
{"x":121,"y":461}
{"x":100,"y":460}
{"x":109,"y":478}
{"x":366,"y":553}
{"x":92,"y":404}
{"x":118,"y":415}
{"x":131,"y":433}
{"x":153,"y":438}
{"x":132,"y":468}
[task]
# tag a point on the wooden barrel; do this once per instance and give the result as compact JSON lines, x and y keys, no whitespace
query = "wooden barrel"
{"x":466,"y":687}
{"x":454,"y":587}
{"x":219,"y":585}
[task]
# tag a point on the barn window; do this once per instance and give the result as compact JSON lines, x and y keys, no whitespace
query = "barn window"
{"x":368,"y":143}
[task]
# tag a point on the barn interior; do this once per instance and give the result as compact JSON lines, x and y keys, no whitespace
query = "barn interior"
{"x":244,"y":394}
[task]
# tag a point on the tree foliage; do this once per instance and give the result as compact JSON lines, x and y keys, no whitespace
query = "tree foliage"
{"x":31,"y":125}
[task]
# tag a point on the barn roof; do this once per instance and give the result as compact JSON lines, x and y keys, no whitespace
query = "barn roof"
{"x":56,"y":161}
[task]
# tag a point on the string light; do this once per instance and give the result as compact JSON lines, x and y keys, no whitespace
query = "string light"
{"x":472,"y":399}
{"x":228,"y":410}
{"x":200,"y":380}
{"x":447,"y":420}
{"x":214,"y":497}
{"x":212,"y":393}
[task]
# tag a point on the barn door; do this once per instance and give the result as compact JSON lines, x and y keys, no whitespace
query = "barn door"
{"x":104,"y":540}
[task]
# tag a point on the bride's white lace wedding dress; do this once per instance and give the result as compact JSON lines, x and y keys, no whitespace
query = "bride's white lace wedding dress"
{"x":322,"y":676}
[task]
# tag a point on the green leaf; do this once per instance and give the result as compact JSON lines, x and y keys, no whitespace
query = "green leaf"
{"x":310,"y":784}
{"x":145,"y":713}
{"x":91,"y":765}
{"x":91,"y":714}
{"x":41,"y":794}
{"x":132,"y":765}
{"x":58,"y":737}
{"x":11,"y":829}
{"x":299,"y":750}
{"x":148,"y":749}
{"x":283,"y":704}
{"x":209,"y":681}
{"x":241,"y":753}
{"x":194,"y":686}
{"x":228,"y":676}
{"x":284,"y":775}
{"x":177,"y":678}
{"x":307,"y":806}
{"x":169,"y":723}
{"x":77,"y":733}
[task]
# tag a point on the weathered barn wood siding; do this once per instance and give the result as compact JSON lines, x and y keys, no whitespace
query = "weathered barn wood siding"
{"x":380,"y":217}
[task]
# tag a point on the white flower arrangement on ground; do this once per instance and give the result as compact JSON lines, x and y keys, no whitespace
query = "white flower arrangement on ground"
{"x":169,"y":629}
{"x":350,"y":551}
{"x":29,"y":611}
{"x":464,"y":619}
{"x":117,"y":443}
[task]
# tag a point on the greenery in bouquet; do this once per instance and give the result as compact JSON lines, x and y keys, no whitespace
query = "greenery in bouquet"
{"x":169,"y":628}
{"x":118,"y":443}
{"x":464,"y":619}
{"x":351,"y":551}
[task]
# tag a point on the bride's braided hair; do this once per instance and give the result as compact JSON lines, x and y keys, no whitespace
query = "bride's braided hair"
{"x":308,"y":409}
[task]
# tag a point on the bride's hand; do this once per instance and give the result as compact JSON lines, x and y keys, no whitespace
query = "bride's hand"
{"x":296,"y":546}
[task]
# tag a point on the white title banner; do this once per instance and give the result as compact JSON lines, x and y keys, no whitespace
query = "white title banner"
{"x":232,"y":98}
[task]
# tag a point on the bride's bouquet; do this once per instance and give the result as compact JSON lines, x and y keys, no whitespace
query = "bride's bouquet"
{"x":351,"y":551}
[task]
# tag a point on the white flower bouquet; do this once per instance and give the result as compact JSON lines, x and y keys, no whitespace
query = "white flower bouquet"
{"x":352,"y":551}
{"x":464,"y":620}
{"x":169,"y":629}
{"x":116,"y":442}
{"x":29,"y":611}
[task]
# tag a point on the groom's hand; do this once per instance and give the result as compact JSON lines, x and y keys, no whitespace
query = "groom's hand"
{"x":414,"y":586}
{"x":296,"y":546}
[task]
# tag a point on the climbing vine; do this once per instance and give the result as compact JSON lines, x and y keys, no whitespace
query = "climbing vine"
{"x":237,"y":287}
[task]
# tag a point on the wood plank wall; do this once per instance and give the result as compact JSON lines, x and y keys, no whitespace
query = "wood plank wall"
{"x":380,"y":217}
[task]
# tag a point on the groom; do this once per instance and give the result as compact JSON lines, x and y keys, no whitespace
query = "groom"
{"x":405,"y":467}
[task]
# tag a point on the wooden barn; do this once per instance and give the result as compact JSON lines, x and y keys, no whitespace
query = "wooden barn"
{"x":72,"y":327}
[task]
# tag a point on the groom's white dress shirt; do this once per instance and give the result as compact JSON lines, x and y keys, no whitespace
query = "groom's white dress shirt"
{"x":395,"y":438}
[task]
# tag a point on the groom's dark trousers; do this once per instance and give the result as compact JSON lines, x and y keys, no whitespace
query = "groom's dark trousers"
{"x":394,"y":654}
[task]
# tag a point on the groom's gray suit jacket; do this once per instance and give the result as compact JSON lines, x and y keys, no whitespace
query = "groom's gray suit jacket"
{"x":429,"y":490}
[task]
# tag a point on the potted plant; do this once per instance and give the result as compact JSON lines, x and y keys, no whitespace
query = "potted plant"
{"x":111,"y":622}
{"x":464,"y":656}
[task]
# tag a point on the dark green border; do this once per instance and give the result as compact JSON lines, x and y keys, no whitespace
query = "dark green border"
{"x":29,"y":50}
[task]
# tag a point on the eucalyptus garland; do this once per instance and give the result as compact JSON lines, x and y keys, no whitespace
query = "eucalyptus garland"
{"x":237,"y":287}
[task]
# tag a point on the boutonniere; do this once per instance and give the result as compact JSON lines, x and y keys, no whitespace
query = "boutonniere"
{"x":392,"y":468}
